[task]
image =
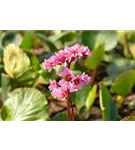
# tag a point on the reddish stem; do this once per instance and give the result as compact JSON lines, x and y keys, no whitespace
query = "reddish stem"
{"x":72,"y":109}
{"x":71,"y":115}
{"x":68,"y":109}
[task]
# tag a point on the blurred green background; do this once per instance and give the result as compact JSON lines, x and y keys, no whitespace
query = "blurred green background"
{"x":24,"y":93}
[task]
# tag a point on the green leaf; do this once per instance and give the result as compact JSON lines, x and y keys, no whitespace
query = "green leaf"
{"x":61,"y":116}
{"x":108,"y":107}
{"x":131,"y":36}
{"x":97,"y":56}
{"x":132,"y":50}
{"x":129,"y":118}
{"x":108,"y":80}
{"x":17,"y":64}
{"x":91,"y":97}
{"x":119,"y":66}
{"x":10,"y":37}
{"x":47,"y":75}
{"x":126,"y":36}
{"x":25,"y":104}
{"x":67,"y":38}
{"x":34,"y":61}
{"x":5,"y":86}
{"x":1,"y":68}
{"x":112,"y":56}
{"x":79,"y":97}
{"x":122,"y":36}
{"x":27,"y":40}
{"x":94,"y":38}
{"x":50,"y":44}
{"x":124,"y":83}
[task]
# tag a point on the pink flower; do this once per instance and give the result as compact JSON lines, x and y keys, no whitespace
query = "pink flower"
{"x":54,"y":93}
{"x":76,"y":52}
{"x":53,"y":85}
{"x":78,"y":82}
{"x":49,"y":63}
{"x":67,"y":74}
{"x":67,"y":56}
{"x":85,"y":51}
{"x":60,"y":93}
{"x":69,"y":81}
{"x":85,"y":78}
{"x":61,"y":58}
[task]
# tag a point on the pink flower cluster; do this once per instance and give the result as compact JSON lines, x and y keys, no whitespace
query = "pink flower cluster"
{"x":69,"y":82}
{"x":67,"y":56}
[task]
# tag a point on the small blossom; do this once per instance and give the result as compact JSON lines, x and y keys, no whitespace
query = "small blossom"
{"x":78,"y":82}
{"x":85,"y":78}
{"x":60,"y":93}
{"x":53,"y":85}
{"x":49,"y":63}
{"x":61,"y":58}
{"x":67,"y":74}
{"x":86,"y":51}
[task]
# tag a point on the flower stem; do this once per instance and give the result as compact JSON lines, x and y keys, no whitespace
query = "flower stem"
{"x":72,"y":109}
{"x":71,"y":115}
{"x":68,"y":108}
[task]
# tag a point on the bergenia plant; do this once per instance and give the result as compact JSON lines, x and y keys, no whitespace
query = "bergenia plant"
{"x":69,"y":82}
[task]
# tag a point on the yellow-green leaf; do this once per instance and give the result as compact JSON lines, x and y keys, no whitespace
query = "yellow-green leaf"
{"x":91,"y":97}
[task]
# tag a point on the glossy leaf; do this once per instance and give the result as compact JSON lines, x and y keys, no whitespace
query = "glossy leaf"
{"x":79,"y":97}
{"x":108,"y":107}
{"x":5,"y":86}
{"x":61,"y":116}
{"x":94,"y":38}
{"x":119,"y":66}
{"x":27,"y":40}
{"x":97,"y":56}
{"x":124,"y":83}
{"x":25,"y":104}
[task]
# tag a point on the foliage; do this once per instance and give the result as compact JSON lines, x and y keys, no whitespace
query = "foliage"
{"x":24,"y":81}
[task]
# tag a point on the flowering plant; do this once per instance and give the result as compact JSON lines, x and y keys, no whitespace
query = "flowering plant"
{"x":69,"y":82}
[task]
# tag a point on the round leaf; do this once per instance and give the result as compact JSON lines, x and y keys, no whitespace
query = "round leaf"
{"x":61,"y":116}
{"x":95,"y":38}
{"x":17,"y":64}
{"x":25,"y":104}
{"x":124,"y":83}
{"x":119,"y":66}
